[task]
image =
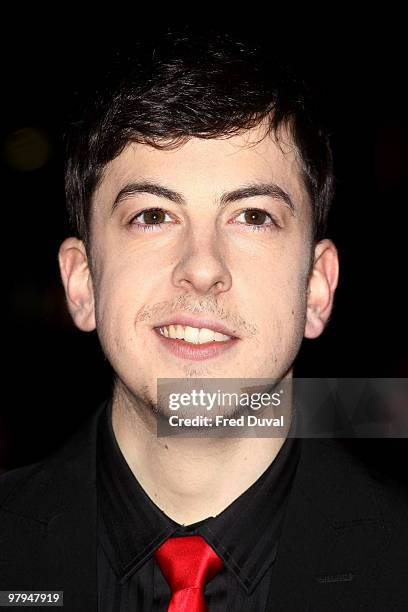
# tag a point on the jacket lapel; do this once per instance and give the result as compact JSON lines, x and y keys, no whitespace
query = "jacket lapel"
{"x":333,"y":534}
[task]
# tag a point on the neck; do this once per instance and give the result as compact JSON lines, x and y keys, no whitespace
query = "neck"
{"x":189,"y":479}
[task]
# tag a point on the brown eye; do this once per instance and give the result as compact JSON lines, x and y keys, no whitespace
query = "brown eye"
{"x":149,"y":219}
{"x":256,"y":217}
{"x":153,"y":216}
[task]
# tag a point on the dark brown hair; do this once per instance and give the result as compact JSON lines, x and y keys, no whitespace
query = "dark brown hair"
{"x":188,"y":84}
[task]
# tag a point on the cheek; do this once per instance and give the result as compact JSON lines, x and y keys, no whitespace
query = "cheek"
{"x":276,"y":291}
{"x":278,"y":273}
{"x":115,"y":307}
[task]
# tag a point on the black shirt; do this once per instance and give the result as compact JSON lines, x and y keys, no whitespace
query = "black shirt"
{"x":131,"y":527}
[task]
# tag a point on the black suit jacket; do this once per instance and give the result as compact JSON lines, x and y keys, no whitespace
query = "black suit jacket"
{"x":344,"y":544}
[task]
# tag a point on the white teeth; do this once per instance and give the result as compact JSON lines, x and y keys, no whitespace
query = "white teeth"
{"x":206,"y":335}
{"x":179,"y":332}
{"x":220,"y":337}
{"x":193,"y":335}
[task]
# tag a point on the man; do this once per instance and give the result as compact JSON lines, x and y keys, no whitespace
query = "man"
{"x":198,"y":183}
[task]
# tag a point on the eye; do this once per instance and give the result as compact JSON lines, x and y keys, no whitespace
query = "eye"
{"x":153,"y":217}
{"x":255,"y":218}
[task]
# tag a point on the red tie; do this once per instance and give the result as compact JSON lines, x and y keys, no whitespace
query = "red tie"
{"x":188,"y":563}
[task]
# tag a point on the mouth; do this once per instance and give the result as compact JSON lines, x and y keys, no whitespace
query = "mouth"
{"x":204,"y":340}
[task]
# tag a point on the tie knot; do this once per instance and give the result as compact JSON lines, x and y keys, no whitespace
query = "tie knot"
{"x":188,"y":562}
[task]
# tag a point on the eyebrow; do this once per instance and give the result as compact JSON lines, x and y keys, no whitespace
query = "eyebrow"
{"x":250,"y":190}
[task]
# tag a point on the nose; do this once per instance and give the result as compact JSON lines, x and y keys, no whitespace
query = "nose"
{"x":201,"y":267}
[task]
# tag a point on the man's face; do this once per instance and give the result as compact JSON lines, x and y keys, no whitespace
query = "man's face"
{"x":205,"y":257}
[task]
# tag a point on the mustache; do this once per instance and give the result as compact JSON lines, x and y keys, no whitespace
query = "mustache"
{"x":204,"y":306}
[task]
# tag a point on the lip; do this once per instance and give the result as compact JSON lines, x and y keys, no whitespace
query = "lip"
{"x":200,"y":322}
{"x":195,"y":352}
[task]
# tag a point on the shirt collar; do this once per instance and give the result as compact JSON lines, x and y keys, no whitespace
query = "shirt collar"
{"x":245,"y":535}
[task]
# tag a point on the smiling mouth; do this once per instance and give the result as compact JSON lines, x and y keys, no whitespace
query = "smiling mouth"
{"x":193,"y":343}
{"x":192,"y":335}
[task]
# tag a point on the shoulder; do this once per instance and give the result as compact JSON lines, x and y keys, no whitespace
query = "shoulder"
{"x":355,"y":470}
{"x":371,"y":467}
{"x":40,"y":488}
{"x":14,"y":479}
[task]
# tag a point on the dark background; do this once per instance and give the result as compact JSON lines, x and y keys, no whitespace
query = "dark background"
{"x":55,"y":375}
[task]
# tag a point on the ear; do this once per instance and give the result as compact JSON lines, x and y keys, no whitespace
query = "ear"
{"x":77,"y":280}
{"x":321,"y":287}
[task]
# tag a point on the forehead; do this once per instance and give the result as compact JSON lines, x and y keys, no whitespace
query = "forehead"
{"x":208,"y":167}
